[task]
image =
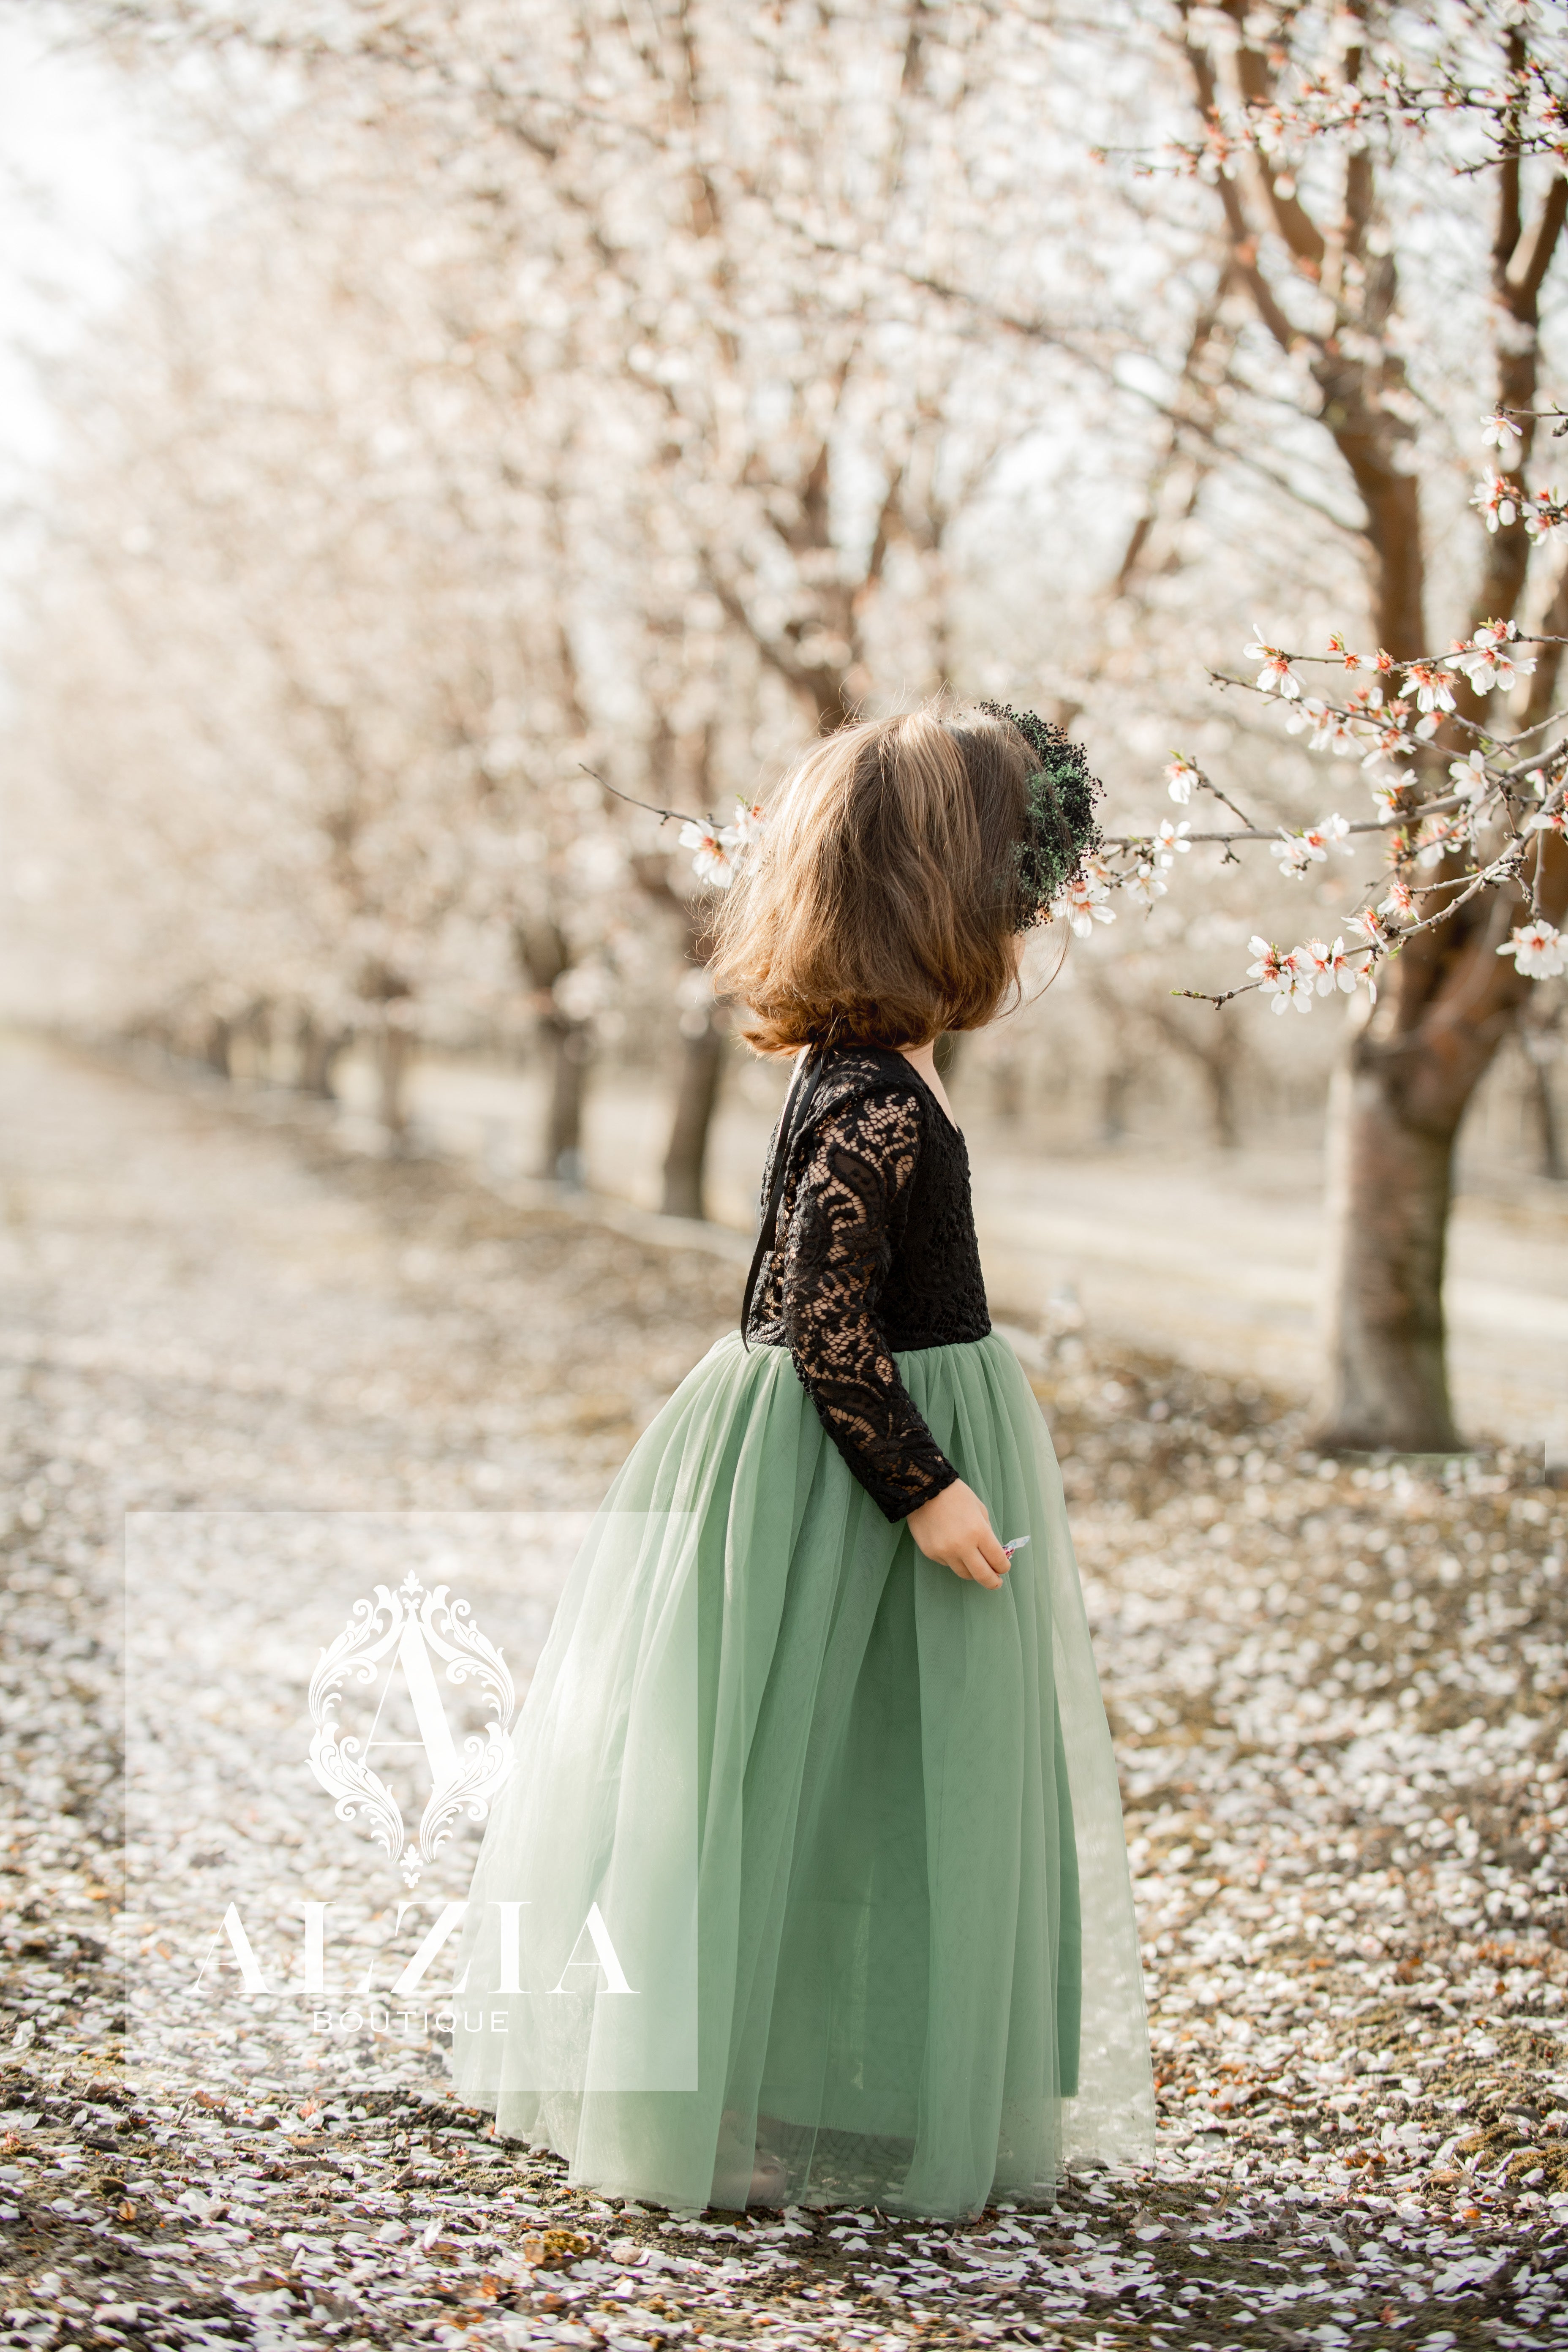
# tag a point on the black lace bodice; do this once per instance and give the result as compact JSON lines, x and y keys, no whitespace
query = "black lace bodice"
{"x":873,"y":1253}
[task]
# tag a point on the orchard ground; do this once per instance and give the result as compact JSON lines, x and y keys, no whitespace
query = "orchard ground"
{"x":1336,"y":1692}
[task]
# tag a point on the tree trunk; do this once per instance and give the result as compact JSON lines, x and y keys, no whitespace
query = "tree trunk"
{"x":569,"y":1053}
{"x":544,"y":955}
{"x":393,"y":1055}
{"x":696,"y":1099}
{"x":1115,"y":1089}
{"x":1219,"y":1073}
{"x":316,"y":1051}
{"x":1007,"y":1089}
{"x":1390,"y":1186}
{"x":1537,"y":1043}
{"x":215,"y":1046}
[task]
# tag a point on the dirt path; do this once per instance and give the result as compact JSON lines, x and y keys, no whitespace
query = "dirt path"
{"x":1338,"y":1700}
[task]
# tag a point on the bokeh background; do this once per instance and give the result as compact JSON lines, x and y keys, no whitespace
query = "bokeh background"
{"x":407,"y":413}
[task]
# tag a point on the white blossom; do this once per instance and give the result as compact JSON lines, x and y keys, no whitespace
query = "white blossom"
{"x":1297,"y":851}
{"x":750,"y":823}
{"x":1368,"y":923}
{"x":1495,"y":498}
{"x":1500,"y":431}
{"x":1543,"y":513}
{"x":1330,"y":968}
{"x":1330,"y":730}
{"x":1145,"y":886}
{"x":713,"y":851}
{"x":1539,"y":949}
{"x":1437,"y":836}
{"x":1171,"y":842}
{"x":1295,"y":854}
{"x":1470,"y":775}
{"x":1282,"y":977}
{"x":1433,"y":689}
{"x":1484,"y":662}
{"x":1082,"y":903}
{"x":1276,"y":675}
{"x":1181,"y":776}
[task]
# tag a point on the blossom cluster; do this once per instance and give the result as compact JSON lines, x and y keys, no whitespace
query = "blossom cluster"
{"x":1375,"y":724}
{"x":718,"y":851}
{"x":1399,"y":86}
{"x":1314,"y":970}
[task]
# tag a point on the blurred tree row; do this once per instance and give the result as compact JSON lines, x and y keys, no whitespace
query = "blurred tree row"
{"x":566,"y":393}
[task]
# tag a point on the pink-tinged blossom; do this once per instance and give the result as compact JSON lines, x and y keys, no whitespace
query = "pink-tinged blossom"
{"x":1270,"y":962}
{"x":1399,"y":906}
{"x":1144,"y":886}
{"x":1470,"y":775}
{"x":1082,"y":903}
{"x":1484,"y":662}
{"x":1384,"y":728}
{"x":750,"y":823}
{"x":1554,"y":819}
{"x":1297,"y":851}
{"x":1330,"y":833}
{"x":1330,"y":968}
{"x":1181,"y":776}
{"x":1434,"y":688}
{"x":1496,"y":497}
{"x":1171,"y":842}
{"x":1543,"y":513}
{"x":1336,"y":734}
{"x":1373,"y":931}
{"x":1337,"y":645}
{"x":1539,"y":951}
{"x":1437,"y":836}
{"x":1330,"y":733}
{"x":1275,"y":676}
{"x":712,"y":849}
{"x":1295,"y":854}
{"x":1285,"y":977}
{"x":1501,"y":432}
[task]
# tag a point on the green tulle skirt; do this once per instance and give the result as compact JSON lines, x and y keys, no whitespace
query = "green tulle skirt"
{"x":809,"y":1883}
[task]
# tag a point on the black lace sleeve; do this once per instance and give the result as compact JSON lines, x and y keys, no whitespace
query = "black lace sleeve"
{"x":848,"y":1212}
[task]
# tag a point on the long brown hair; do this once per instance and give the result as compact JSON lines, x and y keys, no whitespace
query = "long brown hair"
{"x":883,"y":905}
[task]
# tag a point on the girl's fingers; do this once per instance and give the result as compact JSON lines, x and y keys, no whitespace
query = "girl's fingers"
{"x":995,"y":1559}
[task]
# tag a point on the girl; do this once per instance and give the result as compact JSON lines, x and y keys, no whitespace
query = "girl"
{"x":809,"y":1883}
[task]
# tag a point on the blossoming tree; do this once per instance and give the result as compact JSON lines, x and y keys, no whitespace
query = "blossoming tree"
{"x":783,"y":264}
{"x":1314,"y":124}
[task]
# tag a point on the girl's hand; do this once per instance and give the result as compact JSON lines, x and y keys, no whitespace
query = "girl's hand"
{"x":954,"y":1529}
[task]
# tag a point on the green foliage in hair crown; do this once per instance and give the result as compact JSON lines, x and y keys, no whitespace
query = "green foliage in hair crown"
{"x":1060,"y":833}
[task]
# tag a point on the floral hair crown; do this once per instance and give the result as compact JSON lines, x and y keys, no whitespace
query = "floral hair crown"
{"x":1060,"y":834}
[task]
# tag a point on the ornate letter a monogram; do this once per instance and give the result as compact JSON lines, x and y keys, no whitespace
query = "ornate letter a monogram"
{"x":415,"y":1625}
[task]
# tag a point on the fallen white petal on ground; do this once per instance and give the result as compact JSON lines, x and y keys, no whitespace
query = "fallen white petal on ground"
{"x":1338,"y":1697}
